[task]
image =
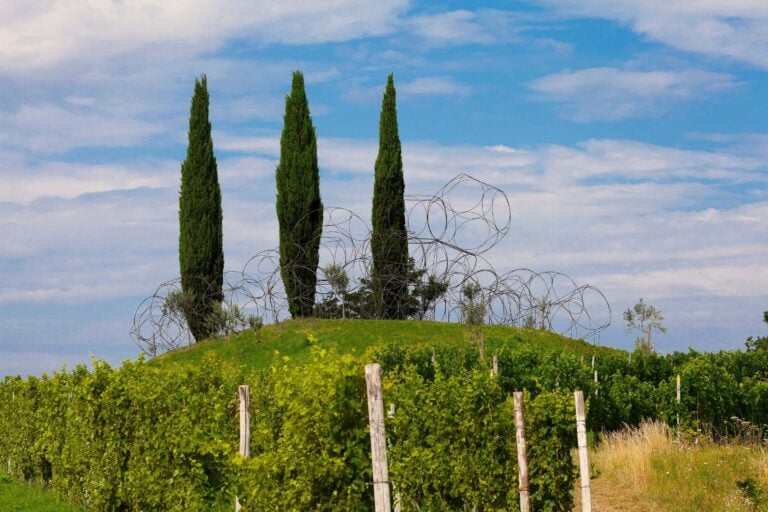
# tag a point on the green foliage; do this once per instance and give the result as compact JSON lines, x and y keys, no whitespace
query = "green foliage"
{"x":299,"y":207}
{"x":163,"y":436}
{"x":389,"y":236}
{"x":201,"y":253}
{"x":424,"y":293}
{"x":141,"y":438}
{"x":124,"y":440}
{"x":550,"y":423}
{"x":309,"y":445}
{"x":452,"y":442}
{"x":751,"y":490}
{"x":421,"y":293}
{"x":222,"y":320}
{"x":226,"y":320}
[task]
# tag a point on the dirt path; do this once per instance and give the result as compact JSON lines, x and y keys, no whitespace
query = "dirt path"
{"x":607,"y":499}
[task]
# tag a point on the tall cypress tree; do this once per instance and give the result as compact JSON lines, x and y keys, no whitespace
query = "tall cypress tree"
{"x":299,"y":208}
{"x":201,"y":253}
{"x":389,"y":239}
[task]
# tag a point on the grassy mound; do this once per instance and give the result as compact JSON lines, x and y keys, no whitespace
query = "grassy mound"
{"x":293,"y":338}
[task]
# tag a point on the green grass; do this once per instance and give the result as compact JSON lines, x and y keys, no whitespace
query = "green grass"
{"x":258,"y":349}
{"x":18,"y":497}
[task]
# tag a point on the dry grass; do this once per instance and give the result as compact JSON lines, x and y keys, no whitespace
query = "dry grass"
{"x":647,"y":470}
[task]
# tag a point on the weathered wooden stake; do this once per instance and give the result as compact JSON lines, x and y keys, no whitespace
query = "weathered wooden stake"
{"x":495,"y":367}
{"x":434,"y":358}
{"x":581,"y":436}
{"x":593,"y":362}
{"x":378,"y":438}
{"x":678,"y":407}
{"x":596,"y":382}
{"x":243,"y":393}
{"x":522,"y":453}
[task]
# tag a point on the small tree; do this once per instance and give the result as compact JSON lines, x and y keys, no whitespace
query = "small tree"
{"x":646,"y":319}
{"x":754,"y":343}
{"x":339,"y":283}
{"x":424,"y":294}
{"x":473,"y":307}
{"x":473,"y":310}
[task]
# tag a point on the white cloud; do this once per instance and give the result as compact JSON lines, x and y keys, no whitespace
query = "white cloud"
{"x":611,"y":94}
{"x":436,"y":85}
{"x":41,"y":34}
{"x":638,"y":161}
{"x":453,"y":28}
{"x":269,"y":145}
{"x":47,"y":128}
{"x":26,"y":183}
{"x":416,"y":88}
{"x":733,"y":29}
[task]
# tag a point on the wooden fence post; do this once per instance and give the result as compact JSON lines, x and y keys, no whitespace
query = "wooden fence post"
{"x":378,"y":438}
{"x":596,"y":382}
{"x":678,"y":406}
{"x":243,"y":393}
{"x":522,"y":453}
{"x":495,"y":367}
{"x":581,"y":435}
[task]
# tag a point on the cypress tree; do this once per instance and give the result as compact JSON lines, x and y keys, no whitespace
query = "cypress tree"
{"x":201,"y":253}
{"x":299,"y":208}
{"x":389,"y":239}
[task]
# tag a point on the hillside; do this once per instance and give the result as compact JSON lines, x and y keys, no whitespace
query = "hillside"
{"x":293,"y":339}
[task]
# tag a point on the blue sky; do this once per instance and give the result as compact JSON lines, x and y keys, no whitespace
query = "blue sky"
{"x":629,"y":135}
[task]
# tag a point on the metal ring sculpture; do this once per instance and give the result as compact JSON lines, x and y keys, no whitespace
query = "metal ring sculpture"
{"x":448,"y":235}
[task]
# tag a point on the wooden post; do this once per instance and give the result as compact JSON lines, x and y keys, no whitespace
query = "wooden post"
{"x":522,"y":453}
{"x":581,"y":436}
{"x":396,"y":498}
{"x":434,"y":358}
{"x":495,"y":367}
{"x":378,"y":438}
{"x":678,"y":407}
{"x":593,"y":362}
{"x":243,"y":393}
{"x":596,"y":382}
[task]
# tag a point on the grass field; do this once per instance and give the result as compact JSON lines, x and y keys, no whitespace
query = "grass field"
{"x":17,"y":497}
{"x":646,"y":470}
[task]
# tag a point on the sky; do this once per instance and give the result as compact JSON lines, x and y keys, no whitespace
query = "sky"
{"x":629,"y":135}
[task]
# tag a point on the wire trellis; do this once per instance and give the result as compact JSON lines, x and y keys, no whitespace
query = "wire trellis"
{"x":449,"y":234}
